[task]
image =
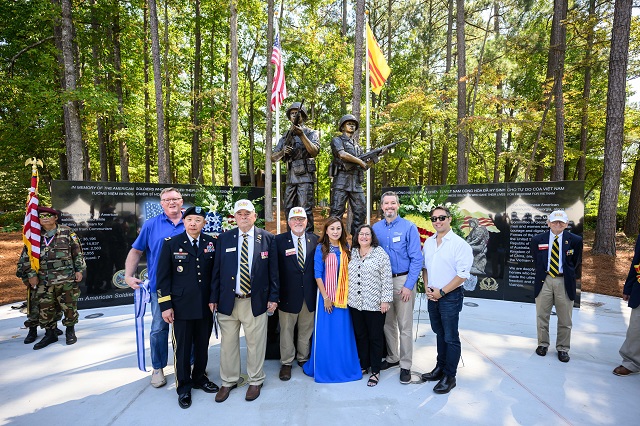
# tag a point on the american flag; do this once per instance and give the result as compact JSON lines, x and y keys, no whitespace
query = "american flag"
{"x":279,"y":88}
{"x":31,"y":227}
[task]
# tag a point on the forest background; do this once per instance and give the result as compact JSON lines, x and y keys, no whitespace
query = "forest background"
{"x":178,"y":91}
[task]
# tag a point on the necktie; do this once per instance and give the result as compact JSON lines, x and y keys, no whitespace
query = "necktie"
{"x":300,"y":254}
{"x":245,"y":277}
{"x":194,"y":243}
{"x":554,"y":264}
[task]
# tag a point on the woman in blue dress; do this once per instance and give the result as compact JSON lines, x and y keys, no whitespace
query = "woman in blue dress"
{"x":334,"y":356}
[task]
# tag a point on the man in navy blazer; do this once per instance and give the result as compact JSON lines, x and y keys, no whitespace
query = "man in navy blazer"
{"x":242,"y":291}
{"x":630,"y":350}
{"x":298,"y":289}
{"x":555,"y":284}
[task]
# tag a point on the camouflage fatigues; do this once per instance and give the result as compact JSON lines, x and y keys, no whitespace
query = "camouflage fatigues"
{"x":57,"y":292}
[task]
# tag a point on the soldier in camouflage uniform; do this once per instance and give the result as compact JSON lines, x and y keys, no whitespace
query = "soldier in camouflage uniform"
{"x":33,"y":314}
{"x":56,"y":283}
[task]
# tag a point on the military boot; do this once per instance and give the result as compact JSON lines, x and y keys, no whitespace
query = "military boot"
{"x":71,"y":335}
{"x":31,"y":336}
{"x":49,"y":338}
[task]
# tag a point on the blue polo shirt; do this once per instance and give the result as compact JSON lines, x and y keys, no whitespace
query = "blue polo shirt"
{"x":401,"y":240}
{"x":150,"y":240}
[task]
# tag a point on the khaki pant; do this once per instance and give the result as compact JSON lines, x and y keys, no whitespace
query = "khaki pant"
{"x":305,"y":330}
{"x":398,"y":326}
{"x":255,"y":334}
{"x":554,"y":293}
{"x":630,"y":350}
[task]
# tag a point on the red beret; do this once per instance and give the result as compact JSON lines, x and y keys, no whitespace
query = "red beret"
{"x":43,"y":209}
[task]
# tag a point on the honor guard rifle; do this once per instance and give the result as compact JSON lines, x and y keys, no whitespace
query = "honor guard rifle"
{"x":296,"y":122}
{"x":374,"y":154}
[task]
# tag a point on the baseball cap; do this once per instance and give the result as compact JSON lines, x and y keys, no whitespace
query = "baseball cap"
{"x":558,"y":215}
{"x":297,"y":212}
{"x":243,"y":205}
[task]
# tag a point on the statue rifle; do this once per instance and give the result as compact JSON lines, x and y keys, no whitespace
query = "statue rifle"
{"x":374,"y":154}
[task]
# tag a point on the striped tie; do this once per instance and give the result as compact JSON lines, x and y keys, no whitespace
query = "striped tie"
{"x":554,"y":264}
{"x":300,"y":254}
{"x":245,"y":277}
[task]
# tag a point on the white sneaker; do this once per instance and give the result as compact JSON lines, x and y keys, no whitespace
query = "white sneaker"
{"x":157,"y":378}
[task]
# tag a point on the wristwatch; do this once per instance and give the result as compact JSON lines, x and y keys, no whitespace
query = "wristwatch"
{"x":442,"y":293}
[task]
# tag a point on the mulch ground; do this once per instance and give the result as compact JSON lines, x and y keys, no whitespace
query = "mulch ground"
{"x":600,"y":274}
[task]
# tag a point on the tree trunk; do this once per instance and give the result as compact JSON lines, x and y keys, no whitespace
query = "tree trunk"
{"x":462,"y":169}
{"x":499,"y":109}
{"x":196,"y":100}
{"x":557,"y":49}
{"x":72,"y":125}
{"x":117,"y":66}
{"x":586,"y":93}
{"x":97,"y":81}
{"x":164,"y":173}
{"x":167,"y":99}
{"x":357,"y":60}
{"x":148,"y":138}
{"x":268,"y":149}
{"x":343,"y":32}
{"x":233,"y":40}
{"x":605,"y":238}
{"x":633,"y":211}
{"x":444,"y":169}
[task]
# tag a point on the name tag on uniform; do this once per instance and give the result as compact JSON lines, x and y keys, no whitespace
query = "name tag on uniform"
{"x":229,"y":249}
{"x":396,"y":239}
{"x":543,"y":246}
{"x":290,"y":252}
{"x":180,"y":256}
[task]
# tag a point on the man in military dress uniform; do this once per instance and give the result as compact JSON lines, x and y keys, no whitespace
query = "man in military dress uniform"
{"x":183,"y":282}
{"x":56,"y":283}
{"x":300,"y":156}
{"x":347,"y":171}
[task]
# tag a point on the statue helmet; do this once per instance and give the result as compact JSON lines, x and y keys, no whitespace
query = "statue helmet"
{"x":348,"y":117}
{"x":296,"y":105}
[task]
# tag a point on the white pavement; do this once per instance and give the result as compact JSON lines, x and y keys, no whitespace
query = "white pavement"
{"x":501,"y":381}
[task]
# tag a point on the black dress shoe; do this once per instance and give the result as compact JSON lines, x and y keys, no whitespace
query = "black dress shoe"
{"x":184,"y":400}
{"x":436,"y":374}
{"x":445,"y":385}
{"x":208,"y":387}
{"x":541,"y":350}
{"x":563,"y":356}
{"x":387,"y":365}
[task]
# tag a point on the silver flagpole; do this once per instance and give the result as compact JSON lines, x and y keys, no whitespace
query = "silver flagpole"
{"x":276,"y":138}
{"x":366,"y":56}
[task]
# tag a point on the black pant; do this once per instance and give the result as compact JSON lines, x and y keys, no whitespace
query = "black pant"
{"x":188,"y":334}
{"x":368,"y":327}
{"x":300,"y":195}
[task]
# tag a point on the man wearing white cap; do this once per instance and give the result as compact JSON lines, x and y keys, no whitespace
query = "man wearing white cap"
{"x":557,"y":254}
{"x":298,"y":289}
{"x":243,"y":286}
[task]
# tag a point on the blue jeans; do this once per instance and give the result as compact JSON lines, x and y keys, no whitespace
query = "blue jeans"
{"x":444,"y":315}
{"x":159,"y":335}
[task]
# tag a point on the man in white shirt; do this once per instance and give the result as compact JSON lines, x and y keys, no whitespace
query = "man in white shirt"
{"x":447,"y":262}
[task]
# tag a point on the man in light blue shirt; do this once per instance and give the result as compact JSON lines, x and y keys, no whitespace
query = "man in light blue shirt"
{"x":401,"y":240}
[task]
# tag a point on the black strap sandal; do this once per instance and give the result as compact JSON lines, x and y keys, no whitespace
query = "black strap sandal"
{"x":373,"y":380}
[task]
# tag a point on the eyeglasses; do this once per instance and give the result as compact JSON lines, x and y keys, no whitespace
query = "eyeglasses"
{"x":298,"y":219}
{"x":364,"y":234}
{"x":440,"y":218}
{"x":45,"y":215}
{"x":171,"y":200}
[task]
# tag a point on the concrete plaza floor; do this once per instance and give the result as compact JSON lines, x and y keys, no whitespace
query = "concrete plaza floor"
{"x":501,"y":381}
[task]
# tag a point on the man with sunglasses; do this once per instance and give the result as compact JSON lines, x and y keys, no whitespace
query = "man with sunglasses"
{"x":154,"y":231}
{"x":447,"y":264}
{"x":401,"y":240}
{"x":56,"y":282}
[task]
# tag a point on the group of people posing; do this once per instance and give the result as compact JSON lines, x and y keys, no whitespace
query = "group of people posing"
{"x":345,"y":300}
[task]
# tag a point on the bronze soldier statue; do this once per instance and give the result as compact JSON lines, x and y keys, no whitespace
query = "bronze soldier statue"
{"x":299,"y":147}
{"x":347,"y":171}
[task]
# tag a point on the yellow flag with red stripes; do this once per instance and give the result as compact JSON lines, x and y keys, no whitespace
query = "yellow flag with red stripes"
{"x":378,"y":69}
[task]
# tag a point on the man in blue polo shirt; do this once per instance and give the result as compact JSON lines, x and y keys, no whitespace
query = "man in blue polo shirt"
{"x":401,"y":240}
{"x":154,"y":231}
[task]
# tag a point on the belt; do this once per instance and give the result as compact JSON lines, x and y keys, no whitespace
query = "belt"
{"x":243,"y":296}
{"x":399,"y":274}
{"x":557,"y":275}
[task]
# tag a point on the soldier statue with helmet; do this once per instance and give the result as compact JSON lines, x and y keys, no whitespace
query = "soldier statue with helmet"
{"x":347,"y":171}
{"x":299,"y":147}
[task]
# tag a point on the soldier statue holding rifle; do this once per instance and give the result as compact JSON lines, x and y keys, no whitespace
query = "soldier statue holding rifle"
{"x":347,"y":170}
{"x":299,"y":147}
